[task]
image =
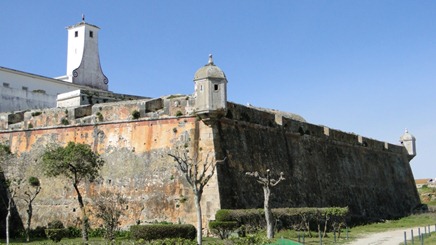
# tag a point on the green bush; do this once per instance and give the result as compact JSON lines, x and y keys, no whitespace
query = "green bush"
{"x":251,"y":239}
{"x":223,"y":228}
{"x":295,"y":218}
{"x":65,"y":121}
{"x":55,"y":235}
{"x":39,"y":232}
{"x":158,"y":231}
{"x":98,"y":232}
{"x":55,"y":224}
{"x":136,"y":114}
{"x":122,"y":234}
{"x":172,"y":241}
{"x":74,"y":232}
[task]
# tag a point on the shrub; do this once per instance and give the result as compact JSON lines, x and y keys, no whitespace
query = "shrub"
{"x":251,"y":239}
{"x":122,"y":233}
{"x":98,"y":232}
{"x":178,"y":241}
{"x":179,"y":113}
{"x":99,"y":116}
{"x":73,"y":232}
{"x":153,"y":232}
{"x":39,"y":232}
{"x":55,"y":235}
{"x":55,"y":224}
{"x":223,"y":228}
{"x":136,"y":114}
{"x":65,"y":121}
{"x":34,"y":181}
{"x":296,"y":218}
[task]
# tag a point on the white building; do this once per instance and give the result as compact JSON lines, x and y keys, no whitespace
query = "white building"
{"x":20,"y":90}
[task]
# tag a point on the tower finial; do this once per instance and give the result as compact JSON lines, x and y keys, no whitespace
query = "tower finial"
{"x":83,"y":18}
{"x":210,"y":60}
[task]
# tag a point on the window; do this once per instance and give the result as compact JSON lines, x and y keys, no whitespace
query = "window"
{"x":6,"y":85}
{"x":91,"y":34}
{"x":25,"y":88}
{"x":76,"y":34}
{"x":215,"y":86}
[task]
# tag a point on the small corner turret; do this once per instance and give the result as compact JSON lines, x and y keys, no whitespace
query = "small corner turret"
{"x":409,"y":142}
{"x":210,"y":92}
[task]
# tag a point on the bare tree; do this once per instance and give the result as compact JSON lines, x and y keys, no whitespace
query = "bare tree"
{"x":267,"y":182}
{"x":110,"y":206}
{"x":33,"y":189}
{"x":197,"y":172}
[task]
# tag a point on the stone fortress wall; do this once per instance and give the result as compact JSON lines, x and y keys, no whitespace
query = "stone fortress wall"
{"x":322,"y":166}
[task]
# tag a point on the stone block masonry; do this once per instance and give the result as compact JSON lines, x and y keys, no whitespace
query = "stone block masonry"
{"x":322,"y":166}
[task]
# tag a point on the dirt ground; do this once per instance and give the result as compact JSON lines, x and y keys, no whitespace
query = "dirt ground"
{"x":393,"y":237}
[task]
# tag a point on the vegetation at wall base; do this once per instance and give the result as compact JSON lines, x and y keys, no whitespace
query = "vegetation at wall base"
{"x":304,"y":219}
{"x":160,"y":231}
{"x":55,"y":235}
{"x":259,"y":237}
{"x":223,"y":228}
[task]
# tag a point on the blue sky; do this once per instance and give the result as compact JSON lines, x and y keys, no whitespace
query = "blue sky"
{"x":367,"y":67}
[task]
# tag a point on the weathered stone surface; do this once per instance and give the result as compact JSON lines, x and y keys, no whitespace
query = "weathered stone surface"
{"x":320,"y":171}
{"x":322,"y":166}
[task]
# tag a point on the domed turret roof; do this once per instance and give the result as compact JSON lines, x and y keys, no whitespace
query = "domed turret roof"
{"x":210,"y":70}
{"x":407,"y":136}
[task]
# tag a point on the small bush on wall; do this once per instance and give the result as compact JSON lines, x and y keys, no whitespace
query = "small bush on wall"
{"x":136,"y":114}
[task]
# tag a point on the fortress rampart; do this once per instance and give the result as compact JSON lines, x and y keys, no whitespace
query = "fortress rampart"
{"x":322,"y":166}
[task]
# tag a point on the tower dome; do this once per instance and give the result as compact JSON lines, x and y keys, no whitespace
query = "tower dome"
{"x":407,"y":136}
{"x":210,"y":70}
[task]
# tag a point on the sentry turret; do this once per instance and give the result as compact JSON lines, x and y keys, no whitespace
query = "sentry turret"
{"x":409,"y":142}
{"x":210,"y":91}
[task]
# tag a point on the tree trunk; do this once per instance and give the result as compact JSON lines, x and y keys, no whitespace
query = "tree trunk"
{"x":268,"y":213}
{"x":8,"y":217}
{"x":29,"y":220}
{"x":199,"y":220}
{"x":84,"y":217}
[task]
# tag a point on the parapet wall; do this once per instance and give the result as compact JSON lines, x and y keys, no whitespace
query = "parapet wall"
{"x":240,"y":113}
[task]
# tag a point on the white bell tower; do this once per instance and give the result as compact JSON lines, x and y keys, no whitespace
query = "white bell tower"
{"x":83,"y":60}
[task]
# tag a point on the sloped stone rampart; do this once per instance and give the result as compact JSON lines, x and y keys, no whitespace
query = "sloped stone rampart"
{"x":375,"y":182}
